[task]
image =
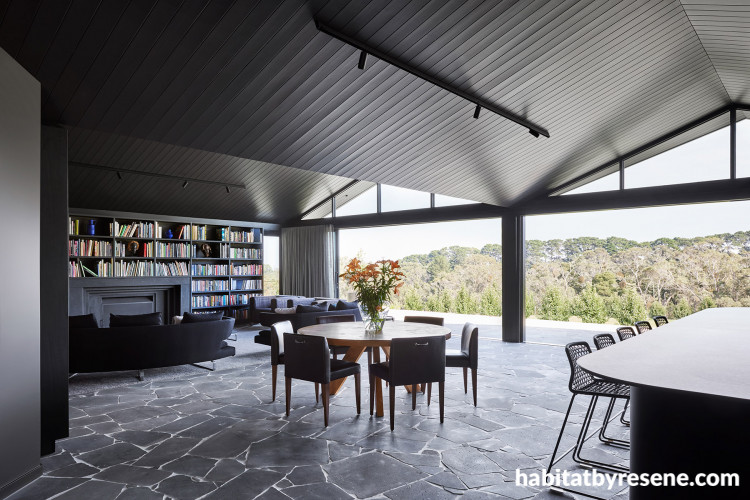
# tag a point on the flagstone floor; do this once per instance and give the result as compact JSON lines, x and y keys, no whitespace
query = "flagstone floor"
{"x":189,"y":433}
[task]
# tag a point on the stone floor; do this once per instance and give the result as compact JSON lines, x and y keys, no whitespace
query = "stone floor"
{"x":188,"y":433}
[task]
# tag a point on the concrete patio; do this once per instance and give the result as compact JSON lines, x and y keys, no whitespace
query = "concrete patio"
{"x":186,"y":433}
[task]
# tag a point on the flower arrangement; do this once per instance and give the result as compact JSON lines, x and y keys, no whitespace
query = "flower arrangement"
{"x":374,"y":284}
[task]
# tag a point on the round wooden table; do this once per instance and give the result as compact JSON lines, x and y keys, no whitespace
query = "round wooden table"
{"x":354,"y":336}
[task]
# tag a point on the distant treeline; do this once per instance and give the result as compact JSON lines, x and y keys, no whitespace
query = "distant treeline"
{"x":590,"y":278}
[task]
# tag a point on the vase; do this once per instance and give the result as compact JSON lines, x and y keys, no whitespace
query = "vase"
{"x":375,"y":319}
{"x":92,"y":227}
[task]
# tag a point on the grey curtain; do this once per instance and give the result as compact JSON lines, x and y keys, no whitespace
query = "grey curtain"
{"x":307,"y":261}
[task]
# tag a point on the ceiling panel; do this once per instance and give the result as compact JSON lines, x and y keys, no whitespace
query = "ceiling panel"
{"x":236,"y":88}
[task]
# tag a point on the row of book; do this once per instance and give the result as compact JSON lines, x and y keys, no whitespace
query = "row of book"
{"x":202,"y":233}
{"x":89,"y":248}
{"x":178,"y":232}
{"x":132,"y":230}
{"x":246,"y":253}
{"x":134,"y":249}
{"x":210,"y":286}
{"x":175,"y":250}
{"x":252,"y":236}
{"x":247,"y":269}
{"x":171,"y":269}
{"x":239,"y":299}
{"x":210,"y":300}
{"x":134,"y":268}
{"x":102,"y":269}
{"x":247,"y":284}
{"x":209,"y":269}
{"x":214,"y":250}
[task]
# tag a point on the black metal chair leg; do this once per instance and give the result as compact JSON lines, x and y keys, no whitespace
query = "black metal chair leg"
{"x":603,"y":429}
{"x":582,"y":439}
{"x":623,"y":420}
{"x":562,"y":429}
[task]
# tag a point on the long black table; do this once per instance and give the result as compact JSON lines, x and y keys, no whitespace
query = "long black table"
{"x":690,"y":400}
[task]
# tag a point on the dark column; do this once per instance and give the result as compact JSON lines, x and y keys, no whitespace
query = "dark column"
{"x":514,"y":278}
{"x":54,"y":286}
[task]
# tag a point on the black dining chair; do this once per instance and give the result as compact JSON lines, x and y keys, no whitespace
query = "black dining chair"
{"x":642,"y":326}
{"x":660,"y":320}
{"x":430,"y":320}
{"x":467,"y":358}
{"x":338,"y":318}
{"x":602,"y":341}
{"x":308,"y":358}
{"x":413,"y":360}
{"x":584,"y":384}
{"x":277,"y":350}
{"x":625,"y":332}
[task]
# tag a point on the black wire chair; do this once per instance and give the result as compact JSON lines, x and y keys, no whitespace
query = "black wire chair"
{"x":660,"y":320}
{"x":625,"y":332}
{"x":602,"y":341}
{"x":584,"y":384}
{"x":643,"y":326}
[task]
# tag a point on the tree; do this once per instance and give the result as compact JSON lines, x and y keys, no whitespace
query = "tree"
{"x":438,"y":266}
{"x":706,"y":303}
{"x":657,"y":309}
{"x":680,"y":310}
{"x":605,"y":284}
{"x":631,"y":308}
{"x":445,"y":302}
{"x":465,"y":303}
{"x":412,"y":300}
{"x":490,"y":302}
{"x":589,"y":306}
{"x":530,"y":304}
{"x":555,"y":305}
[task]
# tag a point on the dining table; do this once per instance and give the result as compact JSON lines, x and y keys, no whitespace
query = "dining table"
{"x":354,"y":336}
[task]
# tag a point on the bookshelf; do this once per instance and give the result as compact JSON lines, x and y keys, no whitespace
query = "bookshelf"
{"x":224,"y":263}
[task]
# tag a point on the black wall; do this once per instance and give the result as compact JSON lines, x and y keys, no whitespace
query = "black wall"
{"x":54,"y":287}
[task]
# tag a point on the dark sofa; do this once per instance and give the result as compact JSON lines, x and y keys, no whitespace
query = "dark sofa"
{"x":140,"y":347}
{"x":267,"y":303}
{"x":298,"y":321}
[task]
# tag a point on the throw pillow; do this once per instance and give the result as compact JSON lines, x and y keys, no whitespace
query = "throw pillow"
{"x":321,"y":303}
{"x":123,"y":320}
{"x":310,"y":309}
{"x":285,"y":310}
{"x":331,"y":307}
{"x":201,"y":318}
{"x":82,"y":321}
{"x":344,"y":305}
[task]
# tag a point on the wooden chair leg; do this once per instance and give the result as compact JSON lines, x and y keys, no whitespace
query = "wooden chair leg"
{"x":466,"y":381}
{"x":392,"y":402}
{"x":326,"y":389}
{"x":288,"y":394}
{"x":335,"y":355}
{"x":317,"y":393}
{"x":474,"y":384}
{"x":358,"y":392}
{"x":273,"y":382}
{"x":413,"y":397}
{"x":429,"y":393}
{"x":441,"y":386}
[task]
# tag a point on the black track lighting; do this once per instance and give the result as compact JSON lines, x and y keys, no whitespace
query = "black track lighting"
{"x":476,"y":111}
{"x":362,"y":60}
{"x":119,"y":175}
{"x":534,"y":133}
{"x":185,"y":184}
{"x":227,"y":189}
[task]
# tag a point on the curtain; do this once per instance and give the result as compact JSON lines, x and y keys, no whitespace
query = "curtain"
{"x":307,"y":261}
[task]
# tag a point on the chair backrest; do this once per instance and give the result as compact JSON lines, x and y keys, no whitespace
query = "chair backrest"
{"x":603,"y":340}
{"x":626,"y":332}
{"x":307,"y":358}
{"x":470,"y":344}
{"x":335,"y":318}
{"x":431,"y":320}
{"x":643,"y":326}
{"x":414,"y":360}
{"x":579,"y":379}
{"x":660,"y":320}
{"x":277,"y":339}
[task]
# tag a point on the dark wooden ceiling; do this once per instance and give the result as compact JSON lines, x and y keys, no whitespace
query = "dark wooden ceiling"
{"x":251,"y":92}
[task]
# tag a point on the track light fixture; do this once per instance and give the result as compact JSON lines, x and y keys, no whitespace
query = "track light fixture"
{"x":476,"y":111}
{"x":227,"y":189}
{"x":534,"y":133}
{"x":362,"y":60}
{"x":119,"y":175}
{"x":185,"y":184}
{"x":122,"y":172}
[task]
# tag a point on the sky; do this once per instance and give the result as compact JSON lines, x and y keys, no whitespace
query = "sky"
{"x":705,"y":158}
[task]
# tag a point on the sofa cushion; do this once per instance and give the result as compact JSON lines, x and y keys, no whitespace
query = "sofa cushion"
{"x":310,"y":309}
{"x":325,"y":303}
{"x":344,"y":305}
{"x":277,"y":302}
{"x":285,"y":310}
{"x":123,"y":320}
{"x":83,"y":321}
{"x":201,"y":318}
{"x":301,"y":301}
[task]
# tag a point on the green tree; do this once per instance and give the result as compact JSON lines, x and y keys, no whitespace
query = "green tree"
{"x":412,"y":300}
{"x":656,"y":309}
{"x":444,"y":302}
{"x":490,"y":302}
{"x":555,"y":305}
{"x":438,"y":266}
{"x":631,"y":308}
{"x":706,"y":303}
{"x":465,"y":303}
{"x":530,"y":304}
{"x":680,"y":310}
{"x":605,"y":284}
{"x":589,"y":306}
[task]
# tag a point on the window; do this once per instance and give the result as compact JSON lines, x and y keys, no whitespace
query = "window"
{"x":609,"y":182}
{"x":356,"y":203}
{"x":743,"y":148}
{"x":271,"y":265}
{"x":397,"y":198}
{"x":449,"y":201}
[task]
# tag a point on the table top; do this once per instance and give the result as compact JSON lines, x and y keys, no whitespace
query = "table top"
{"x":707,"y":353}
{"x":353,"y":333}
